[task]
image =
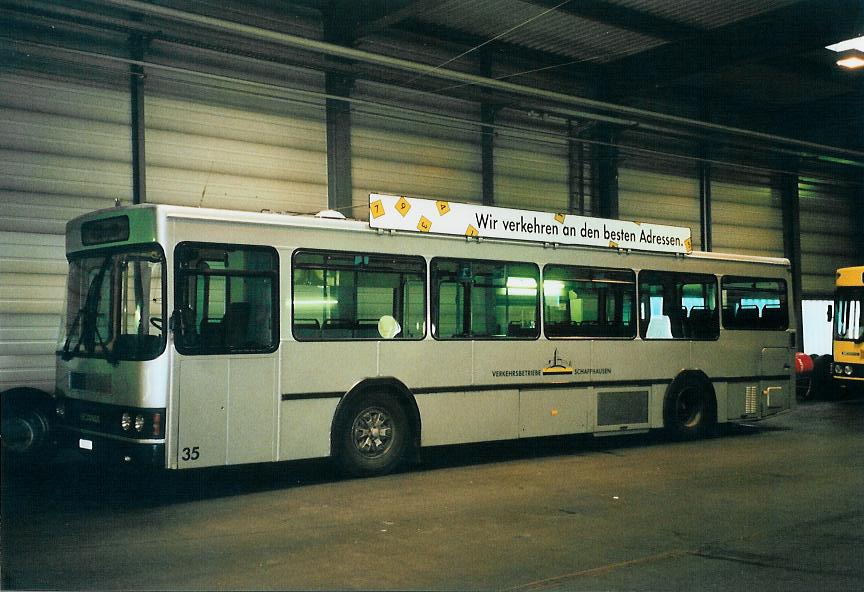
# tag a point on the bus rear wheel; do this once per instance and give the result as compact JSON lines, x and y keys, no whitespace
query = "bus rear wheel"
{"x":373,"y":435}
{"x":688,"y":410}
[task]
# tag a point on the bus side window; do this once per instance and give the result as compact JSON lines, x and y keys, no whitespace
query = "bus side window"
{"x":678,"y":306}
{"x":478,"y":299}
{"x":754,"y":304}
{"x":226,"y":298}
{"x":338,"y":295}
{"x":589,"y":302}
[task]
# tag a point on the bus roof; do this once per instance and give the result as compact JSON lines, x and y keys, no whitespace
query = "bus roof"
{"x":164,"y":212}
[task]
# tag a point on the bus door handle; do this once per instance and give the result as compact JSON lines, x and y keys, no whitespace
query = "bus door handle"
{"x":767,"y":393}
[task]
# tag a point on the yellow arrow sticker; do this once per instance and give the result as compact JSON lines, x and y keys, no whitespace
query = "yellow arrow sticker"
{"x":688,"y":244}
{"x":376,"y":208}
{"x":559,"y":217}
{"x":424,"y":225}
{"x":443,"y":207}
{"x":402,"y":206}
{"x":613,"y":245}
{"x":471,"y":231}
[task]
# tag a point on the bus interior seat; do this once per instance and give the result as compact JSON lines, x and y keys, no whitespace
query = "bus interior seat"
{"x":211,"y":332}
{"x":701,"y":322}
{"x":367,"y":328}
{"x":747,"y":316}
{"x":515,"y":329}
{"x":565,"y":329}
{"x":659,"y":327}
{"x":337,"y":328}
{"x":772,"y":316}
{"x":307,"y":328}
{"x":236,"y":325}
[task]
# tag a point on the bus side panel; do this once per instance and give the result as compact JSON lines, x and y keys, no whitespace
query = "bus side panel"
{"x":322,"y":367}
{"x":554,"y":412}
{"x":637,"y":361}
{"x":304,"y":428}
{"x":252,"y":409}
{"x":475,"y":416}
{"x":427,"y":363}
{"x":202,"y":418}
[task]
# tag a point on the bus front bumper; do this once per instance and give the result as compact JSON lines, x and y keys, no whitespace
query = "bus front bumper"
{"x":111,"y":449}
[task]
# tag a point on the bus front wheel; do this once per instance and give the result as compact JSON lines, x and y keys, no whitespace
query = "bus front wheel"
{"x":688,"y":410}
{"x":373,"y":435}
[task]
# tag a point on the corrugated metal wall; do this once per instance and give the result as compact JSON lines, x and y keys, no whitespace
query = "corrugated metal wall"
{"x":531,"y":172}
{"x":225,"y":145}
{"x":830,"y":232}
{"x":406,"y":154}
{"x":64,"y":150}
{"x":659,"y":191}
{"x":747,"y":213}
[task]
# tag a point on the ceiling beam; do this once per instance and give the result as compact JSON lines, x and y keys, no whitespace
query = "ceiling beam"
{"x":785,"y":32}
{"x":622,"y":17}
{"x":503,"y":51}
{"x":393,"y":12}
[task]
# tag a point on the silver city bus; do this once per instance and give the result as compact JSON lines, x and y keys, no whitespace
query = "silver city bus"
{"x":196,"y":337}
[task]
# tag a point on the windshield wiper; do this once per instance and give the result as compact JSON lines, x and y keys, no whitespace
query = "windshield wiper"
{"x":67,"y":355}
{"x":89,"y":326}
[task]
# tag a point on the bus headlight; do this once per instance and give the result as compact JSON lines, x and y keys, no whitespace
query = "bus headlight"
{"x":60,"y":409}
{"x":838,"y":369}
{"x":139,"y":422}
{"x":847,"y":370}
{"x":125,"y":422}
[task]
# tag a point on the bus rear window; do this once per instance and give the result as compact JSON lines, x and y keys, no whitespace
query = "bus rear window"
{"x":754,"y":304}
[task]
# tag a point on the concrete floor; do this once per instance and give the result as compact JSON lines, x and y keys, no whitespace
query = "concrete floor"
{"x":777,"y":506}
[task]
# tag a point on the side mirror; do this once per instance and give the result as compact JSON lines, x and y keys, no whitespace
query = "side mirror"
{"x":830,"y":313}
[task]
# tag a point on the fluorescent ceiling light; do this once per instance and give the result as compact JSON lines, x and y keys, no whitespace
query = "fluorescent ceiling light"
{"x":852,"y":62}
{"x":856,"y":43}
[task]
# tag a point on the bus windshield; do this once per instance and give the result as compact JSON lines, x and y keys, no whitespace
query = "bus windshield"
{"x":114,"y":306}
{"x":848,"y":314}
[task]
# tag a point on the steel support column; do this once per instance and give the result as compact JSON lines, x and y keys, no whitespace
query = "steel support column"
{"x":137,"y":45}
{"x":606,"y":173}
{"x":487,"y":153}
{"x":575,"y":172}
{"x":705,"y":204}
{"x":787,"y":184}
{"x":339,"y":181}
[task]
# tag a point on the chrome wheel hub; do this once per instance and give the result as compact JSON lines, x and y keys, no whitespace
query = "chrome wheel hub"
{"x":372,"y":432}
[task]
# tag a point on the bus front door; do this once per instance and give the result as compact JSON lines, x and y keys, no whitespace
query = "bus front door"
{"x":227,"y":409}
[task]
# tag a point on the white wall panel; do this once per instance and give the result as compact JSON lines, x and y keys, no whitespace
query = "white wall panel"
{"x":64,"y":150}
{"x":531,"y":172}
{"x":830,"y":232}
{"x":747,"y":213}
{"x":408,"y":154}
{"x":659,"y":192}
{"x":222,"y":147}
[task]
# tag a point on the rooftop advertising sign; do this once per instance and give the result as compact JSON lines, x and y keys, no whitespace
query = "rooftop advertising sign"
{"x":394,"y":212}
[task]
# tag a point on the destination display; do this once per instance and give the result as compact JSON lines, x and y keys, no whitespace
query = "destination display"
{"x":395,"y":212}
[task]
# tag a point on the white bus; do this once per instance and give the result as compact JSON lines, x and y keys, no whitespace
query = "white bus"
{"x":196,"y":337}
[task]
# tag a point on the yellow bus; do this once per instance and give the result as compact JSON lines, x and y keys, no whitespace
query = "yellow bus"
{"x":848,"y":348}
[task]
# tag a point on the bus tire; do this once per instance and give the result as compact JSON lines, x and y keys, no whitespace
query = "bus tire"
{"x":25,"y":429}
{"x":373,"y":435}
{"x":689,"y":409}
